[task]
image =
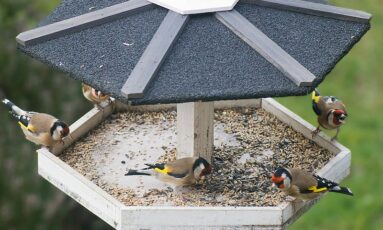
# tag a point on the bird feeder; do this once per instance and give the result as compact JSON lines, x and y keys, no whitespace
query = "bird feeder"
{"x":193,"y":58}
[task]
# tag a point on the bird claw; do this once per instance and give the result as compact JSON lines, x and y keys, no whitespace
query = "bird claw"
{"x":315,"y":132}
{"x":336,"y":135}
{"x":290,"y":199}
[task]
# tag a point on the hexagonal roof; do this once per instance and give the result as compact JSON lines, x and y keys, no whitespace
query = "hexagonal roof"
{"x":196,"y":6}
{"x":141,"y":53}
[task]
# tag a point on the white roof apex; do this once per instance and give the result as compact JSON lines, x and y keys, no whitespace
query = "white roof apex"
{"x":196,"y":6}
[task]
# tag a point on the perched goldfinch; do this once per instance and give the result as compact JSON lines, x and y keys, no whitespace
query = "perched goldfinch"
{"x":39,"y":128}
{"x":331,"y":112}
{"x":184,"y":171}
{"x":93,"y":95}
{"x":304,"y":185}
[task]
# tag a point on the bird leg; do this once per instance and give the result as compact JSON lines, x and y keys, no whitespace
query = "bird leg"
{"x":99,"y":107}
{"x":290,"y":198}
{"x":336,"y":135}
{"x":315,"y":132}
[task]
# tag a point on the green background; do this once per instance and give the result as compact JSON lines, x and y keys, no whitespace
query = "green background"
{"x":29,"y":202}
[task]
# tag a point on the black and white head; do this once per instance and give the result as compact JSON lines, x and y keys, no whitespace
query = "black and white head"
{"x":281,"y":178}
{"x":59,"y":130}
{"x":201,"y":168}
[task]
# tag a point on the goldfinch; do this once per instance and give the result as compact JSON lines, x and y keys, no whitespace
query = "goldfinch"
{"x":181,"y":172}
{"x":39,"y":128}
{"x":304,"y":185}
{"x":331,"y":112}
{"x":93,"y":95}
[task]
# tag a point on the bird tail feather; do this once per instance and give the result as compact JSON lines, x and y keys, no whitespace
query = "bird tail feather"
{"x":154,"y":166}
{"x":343,"y":190}
{"x":13,"y":109}
{"x":133,"y":172}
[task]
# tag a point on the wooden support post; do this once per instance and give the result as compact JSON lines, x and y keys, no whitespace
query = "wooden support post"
{"x":195,"y":129}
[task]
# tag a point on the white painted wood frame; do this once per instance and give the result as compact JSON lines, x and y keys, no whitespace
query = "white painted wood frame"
{"x":124,"y":217}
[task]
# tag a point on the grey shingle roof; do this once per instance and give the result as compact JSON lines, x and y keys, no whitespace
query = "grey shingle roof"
{"x":207,"y":62}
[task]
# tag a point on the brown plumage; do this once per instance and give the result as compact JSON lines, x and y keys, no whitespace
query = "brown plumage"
{"x":331,"y":112}
{"x":39,"y":128}
{"x":304,"y":185}
{"x":181,"y":172}
{"x":93,"y":95}
{"x":41,"y":124}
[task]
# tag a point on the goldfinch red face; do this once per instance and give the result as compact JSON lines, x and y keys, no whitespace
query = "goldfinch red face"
{"x":207,"y":170}
{"x":59,"y":130}
{"x":340,"y":115}
{"x":281,"y":178}
{"x":201,"y":168}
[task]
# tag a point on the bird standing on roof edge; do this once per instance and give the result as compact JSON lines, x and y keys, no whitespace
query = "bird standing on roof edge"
{"x":93,"y":95}
{"x":39,"y":128}
{"x":304,"y":185}
{"x":181,"y":172}
{"x":331,"y":112}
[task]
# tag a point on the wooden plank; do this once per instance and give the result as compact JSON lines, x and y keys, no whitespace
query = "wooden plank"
{"x":294,"y":210}
{"x":244,"y":29}
{"x":153,"y":56}
{"x":82,"y":22}
{"x":83,"y":126}
{"x":195,"y":129}
{"x":338,"y":167}
{"x":201,"y":218}
{"x":79,"y":188}
{"x":317,"y":9}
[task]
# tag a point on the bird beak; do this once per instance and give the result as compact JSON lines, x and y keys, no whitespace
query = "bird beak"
{"x":342,"y":118}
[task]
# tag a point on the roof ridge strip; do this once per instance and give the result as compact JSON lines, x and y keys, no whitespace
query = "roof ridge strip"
{"x":155,"y":53}
{"x":316,"y":9}
{"x":82,"y":22}
{"x":271,"y":51}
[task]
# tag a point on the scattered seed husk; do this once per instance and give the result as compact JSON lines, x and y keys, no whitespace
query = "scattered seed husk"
{"x":241,"y":175}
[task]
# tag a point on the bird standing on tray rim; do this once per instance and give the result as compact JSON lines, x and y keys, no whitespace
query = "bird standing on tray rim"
{"x":93,"y":95}
{"x":331,"y":112}
{"x":181,"y":172}
{"x":39,"y":128}
{"x":304,"y":185}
